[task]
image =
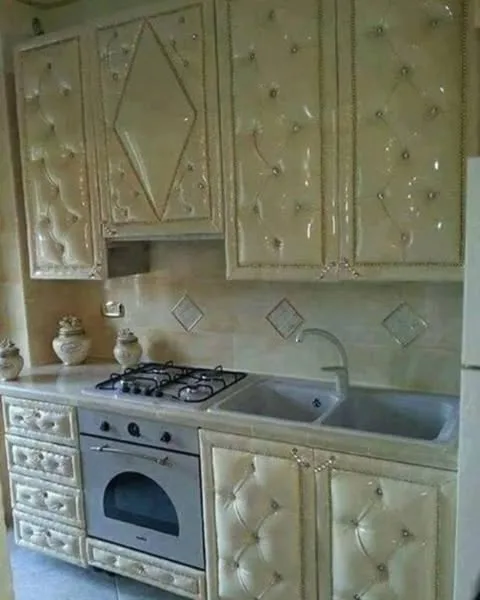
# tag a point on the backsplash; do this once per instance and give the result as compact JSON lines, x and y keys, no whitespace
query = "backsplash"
{"x":251,"y":325}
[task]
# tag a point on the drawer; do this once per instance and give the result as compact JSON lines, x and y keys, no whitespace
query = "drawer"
{"x":160,"y":573}
{"x":40,"y":420}
{"x":59,"y":464}
{"x":55,"y":539}
{"x":48,"y":500}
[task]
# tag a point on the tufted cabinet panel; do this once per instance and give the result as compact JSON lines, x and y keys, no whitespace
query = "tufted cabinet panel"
{"x":157,"y":116}
{"x":59,"y":464}
{"x":58,"y":158}
{"x":406,"y":73}
{"x":54,"y":539}
{"x":163,"y":574}
{"x":278,"y":94}
{"x":255,"y":498}
{"x":392,"y":531}
{"x":46,"y":499}
{"x":40,"y":420}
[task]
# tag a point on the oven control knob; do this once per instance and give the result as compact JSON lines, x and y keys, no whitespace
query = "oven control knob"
{"x":133,"y":429}
{"x":104,"y":426}
{"x":166,"y":437}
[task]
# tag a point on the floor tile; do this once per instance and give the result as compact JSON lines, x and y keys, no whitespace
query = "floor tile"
{"x":37,"y":576}
{"x":128,"y":589}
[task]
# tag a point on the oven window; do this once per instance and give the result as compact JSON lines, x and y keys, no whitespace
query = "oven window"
{"x":137,"y":499}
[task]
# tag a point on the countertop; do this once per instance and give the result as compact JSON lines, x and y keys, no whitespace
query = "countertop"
{"x":64,"y":385}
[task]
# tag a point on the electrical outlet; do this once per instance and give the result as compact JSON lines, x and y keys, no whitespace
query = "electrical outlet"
{"x":113,"y":310}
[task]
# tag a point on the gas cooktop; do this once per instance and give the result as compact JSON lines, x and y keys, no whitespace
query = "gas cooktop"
{"x":167,"y":382}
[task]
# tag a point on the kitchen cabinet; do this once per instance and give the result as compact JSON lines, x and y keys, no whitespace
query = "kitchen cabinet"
{"x":58,"y":158}
{"x":345,"y":132}
{"x":391,"y":528}
{"x":157,"y":122}
{"x":259,"y":510}
{"x":5,"y":572}
{"x":383,"y":529}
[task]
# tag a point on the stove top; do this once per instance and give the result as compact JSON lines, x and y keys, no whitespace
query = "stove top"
{"x":168,"y":381}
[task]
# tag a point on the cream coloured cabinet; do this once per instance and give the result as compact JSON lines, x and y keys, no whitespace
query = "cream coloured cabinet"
{"x":58,"y":162}
{"x":346,"y":126}
{"x":368,"y":529}
{"x":6,"y":589}
{"x":278,"y":102}
{"x":387,"y":529}
{"x":406,"y":94}
{"x":157,"y":122}
{"x":259,"y":511}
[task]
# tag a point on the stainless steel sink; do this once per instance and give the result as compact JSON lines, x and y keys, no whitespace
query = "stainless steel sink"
{"x":416,"y":416}
{"x":288,"y":400}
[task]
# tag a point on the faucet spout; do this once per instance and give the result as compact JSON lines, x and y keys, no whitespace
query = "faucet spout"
{"x":341,"y":371}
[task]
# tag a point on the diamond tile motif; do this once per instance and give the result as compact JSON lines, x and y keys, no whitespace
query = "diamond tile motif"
{"x":404,"y":325}
{"x":187,"y":313}
{"x":285,"y":319}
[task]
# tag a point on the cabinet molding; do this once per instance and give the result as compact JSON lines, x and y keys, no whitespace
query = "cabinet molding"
{"x":157,"y":121}
{"x":58,"y":158}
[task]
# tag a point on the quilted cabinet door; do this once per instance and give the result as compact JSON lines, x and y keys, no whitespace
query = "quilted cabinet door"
{"x":59,"y":175}
{"x":392,"y":529}
{"x":278,"y":103}
{"x":407,"y":119}
{"x":157,"y":122}
{"x":258,"y":507}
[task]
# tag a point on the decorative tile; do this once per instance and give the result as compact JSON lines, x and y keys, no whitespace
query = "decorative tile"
{"x":285,"y":319}
{"x":187,"y":313}
{"x":404,"y":325}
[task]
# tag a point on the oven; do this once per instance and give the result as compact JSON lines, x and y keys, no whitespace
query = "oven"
{"x":142,"y":485}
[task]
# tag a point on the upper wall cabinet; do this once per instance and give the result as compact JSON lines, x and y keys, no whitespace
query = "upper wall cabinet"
{"x":57,"y":156}
{"x":345,"y":131}
{"x":157,"y":122}
{"x":278,"y":101}
{"x":405,"y":120}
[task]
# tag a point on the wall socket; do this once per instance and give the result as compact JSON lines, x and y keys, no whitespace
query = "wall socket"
{"x":113,"y":310}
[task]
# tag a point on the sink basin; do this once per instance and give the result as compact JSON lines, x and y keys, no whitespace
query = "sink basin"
{"x":279,"y":399}
{"x":411,"y":415}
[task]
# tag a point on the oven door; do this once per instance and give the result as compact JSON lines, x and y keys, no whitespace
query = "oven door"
{"x":143,"y":498}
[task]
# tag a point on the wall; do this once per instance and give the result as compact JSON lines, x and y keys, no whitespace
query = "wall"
{"x":235,"y":333}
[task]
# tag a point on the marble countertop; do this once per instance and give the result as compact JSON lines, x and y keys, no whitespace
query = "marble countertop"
{"x":64,"y":385}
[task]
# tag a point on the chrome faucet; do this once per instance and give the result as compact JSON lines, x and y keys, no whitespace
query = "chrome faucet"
{"x":340,"y":371}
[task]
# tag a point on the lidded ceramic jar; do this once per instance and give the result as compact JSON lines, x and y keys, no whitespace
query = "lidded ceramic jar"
{"x":71,"y":344}
{"x":11,"y":361}
{"x":127,"y":350}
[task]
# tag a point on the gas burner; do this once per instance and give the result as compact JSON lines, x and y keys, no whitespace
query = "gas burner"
{"x":216,"y":374}
{"x":195,"y":392}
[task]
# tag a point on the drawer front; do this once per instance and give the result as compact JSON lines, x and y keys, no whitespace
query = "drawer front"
{"x":47,"y":499}
{"x":40,"y":420}
{"x":163,"y":574}
{"x":45,"y":461}
{"x":55,"y":539}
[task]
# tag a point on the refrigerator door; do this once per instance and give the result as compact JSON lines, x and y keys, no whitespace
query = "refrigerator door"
{"x":467,"y":555}
{"x":471,"y":309}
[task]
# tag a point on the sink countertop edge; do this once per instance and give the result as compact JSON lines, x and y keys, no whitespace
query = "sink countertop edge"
{"x":64,"y":385}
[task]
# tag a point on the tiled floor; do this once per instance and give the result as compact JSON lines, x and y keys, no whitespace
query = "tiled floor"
{"x":36,"y":576}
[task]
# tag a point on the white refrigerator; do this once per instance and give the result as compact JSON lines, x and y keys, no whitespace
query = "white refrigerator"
{"x":467,"y":555}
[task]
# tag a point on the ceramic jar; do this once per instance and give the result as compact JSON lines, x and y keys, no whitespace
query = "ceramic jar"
{"x":71,"y":344}
{"x":127,"y":350}
{"x":11,"y":361}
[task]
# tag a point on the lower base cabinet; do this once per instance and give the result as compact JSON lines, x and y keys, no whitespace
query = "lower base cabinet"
{"x":284,"y":522}
{"x":182,"y":580}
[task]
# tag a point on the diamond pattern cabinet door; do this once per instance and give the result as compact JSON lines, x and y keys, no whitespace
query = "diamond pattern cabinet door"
{"x":278,"y":102}
{"x":406,"y":92}
{"x":59,"y":173}
{"x":157,"y":122}
{"x":258,"y":513}
{"x":392,"y":529}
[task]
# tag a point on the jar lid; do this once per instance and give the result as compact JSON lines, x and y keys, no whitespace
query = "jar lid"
{"x":126,"y":336}
{"x":70,"y":325}
{"x":8,"y":348}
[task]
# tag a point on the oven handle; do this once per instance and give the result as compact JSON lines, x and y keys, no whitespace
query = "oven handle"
{"x":164,"y":461}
